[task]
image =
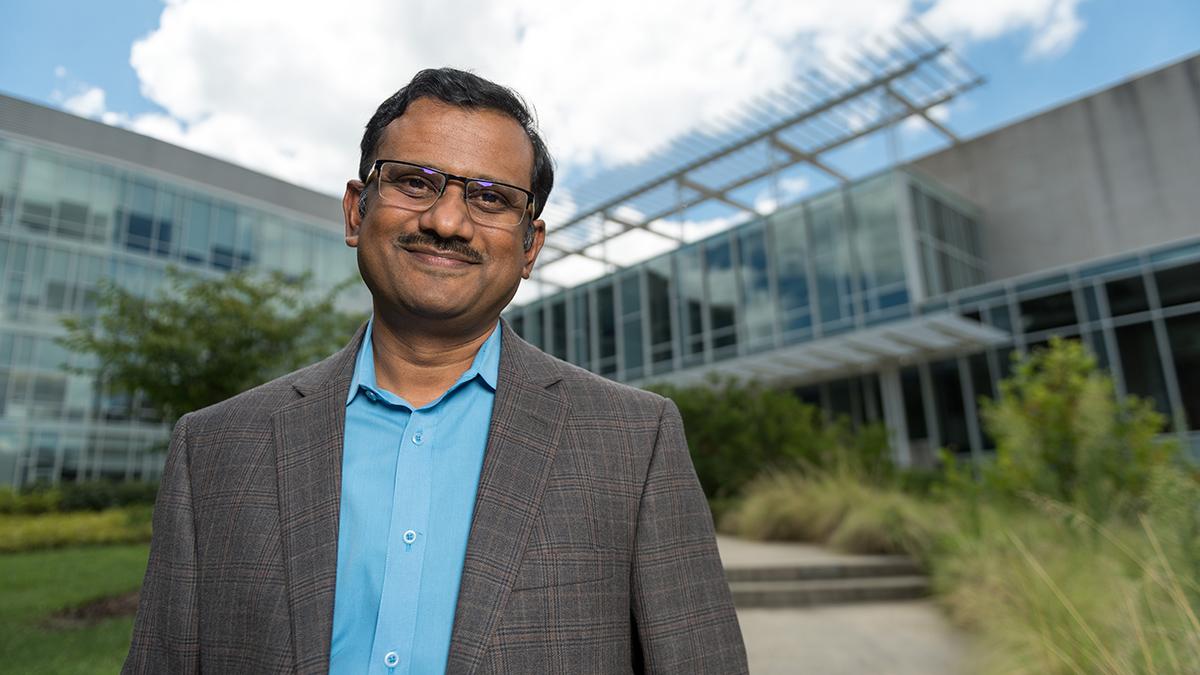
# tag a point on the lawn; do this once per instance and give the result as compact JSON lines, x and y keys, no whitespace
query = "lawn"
{"x":35,"y":585}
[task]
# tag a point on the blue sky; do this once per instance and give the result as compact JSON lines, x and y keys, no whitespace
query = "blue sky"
{"x":88,"y":44}
{"x":285,"y":87}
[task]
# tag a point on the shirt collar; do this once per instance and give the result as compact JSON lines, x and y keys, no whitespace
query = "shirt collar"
{"x":485,"y":366}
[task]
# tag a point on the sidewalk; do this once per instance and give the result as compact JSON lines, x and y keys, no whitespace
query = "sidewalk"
{"x":885,"y":638}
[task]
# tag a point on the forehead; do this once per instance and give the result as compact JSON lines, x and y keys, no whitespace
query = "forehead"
{"x":473,"y":143}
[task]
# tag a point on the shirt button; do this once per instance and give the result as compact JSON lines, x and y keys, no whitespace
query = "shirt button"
{"x":372,"y":396}
{"x":410,"y":536}
{"x":391,"y":659}
{"x":419,"y":438}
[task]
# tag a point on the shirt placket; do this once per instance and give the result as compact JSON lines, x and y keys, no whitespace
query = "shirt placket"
{"x":406,"y":547}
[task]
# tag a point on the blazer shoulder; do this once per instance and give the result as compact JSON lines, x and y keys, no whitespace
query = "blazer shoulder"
{"x":582,"y":387}
{"x":257,"y":403}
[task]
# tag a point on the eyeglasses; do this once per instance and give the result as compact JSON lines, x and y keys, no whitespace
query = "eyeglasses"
{"x":417,"y":188}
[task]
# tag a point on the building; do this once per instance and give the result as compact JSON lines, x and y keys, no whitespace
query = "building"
{"x":81,"y":201}
{"x":901,"y":296}
{"x":895,"y":296}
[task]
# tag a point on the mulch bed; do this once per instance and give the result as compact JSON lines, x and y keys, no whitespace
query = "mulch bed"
{"x":94,"y":612}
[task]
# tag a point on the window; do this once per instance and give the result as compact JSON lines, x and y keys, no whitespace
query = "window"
{"x":791,"y":261}
{"x":1127,"y":296}
{"x":831,"y":258}
{"x":1141,"y":365}
{"x":948,"y":401}
{"x":658,"y":298}
{"x":1184,"y":335}
{"x":758,"y":309}
{"x":1047,"y":312}
{"x":722,"y":295}
{"x":1178,"y":285}
{"x":631,"y":324}
{"x":558,"y":328}
{"x":581,"y":322}
{"x":606,"y":324}
{"x":689,"y":270}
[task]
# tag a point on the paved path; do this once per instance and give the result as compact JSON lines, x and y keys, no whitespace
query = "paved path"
{"x":895,"y":638}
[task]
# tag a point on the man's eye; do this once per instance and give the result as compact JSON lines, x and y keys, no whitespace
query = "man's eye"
{"x":490,"y":200}
{"x":413,"y":185}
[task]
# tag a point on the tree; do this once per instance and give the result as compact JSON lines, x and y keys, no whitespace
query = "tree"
{"x":1061,"y":432}
{"x":201,"y":340}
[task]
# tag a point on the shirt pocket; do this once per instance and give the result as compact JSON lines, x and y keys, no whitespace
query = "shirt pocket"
{"x":557,"y":567}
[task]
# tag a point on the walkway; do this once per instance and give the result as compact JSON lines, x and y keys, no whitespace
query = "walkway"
{"x":909,"y":637}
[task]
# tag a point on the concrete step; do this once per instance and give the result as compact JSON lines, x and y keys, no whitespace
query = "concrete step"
{"x":810,"y":592}
{"x":865,"y":567}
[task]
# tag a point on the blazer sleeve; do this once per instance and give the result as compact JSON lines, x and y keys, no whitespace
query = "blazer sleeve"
{"x":166,"y":629}
{"x":683,"y":614}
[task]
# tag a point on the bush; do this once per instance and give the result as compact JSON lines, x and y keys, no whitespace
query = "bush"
{"x":736,"y":430}
{"x":100,"y":495}
{"x":55,"y":530}
{"x":87,"y":496}
{"x":836,"y":509}
{"x":1062,"y":433}
{"x":37,"y":500}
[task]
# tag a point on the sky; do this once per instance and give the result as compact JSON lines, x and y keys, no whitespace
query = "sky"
{"x":286,"y":87}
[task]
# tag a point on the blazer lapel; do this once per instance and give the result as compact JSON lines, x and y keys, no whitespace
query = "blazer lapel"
{"x":308,"y":457}
{"x":527,"y":421}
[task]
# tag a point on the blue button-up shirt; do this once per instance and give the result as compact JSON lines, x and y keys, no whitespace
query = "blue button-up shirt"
{"x":409,"y":479}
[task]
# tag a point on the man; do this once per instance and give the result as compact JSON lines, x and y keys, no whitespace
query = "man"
{"x":439,"y":495}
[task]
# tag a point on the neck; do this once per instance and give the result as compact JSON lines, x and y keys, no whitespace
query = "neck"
{"x":418,"y":365}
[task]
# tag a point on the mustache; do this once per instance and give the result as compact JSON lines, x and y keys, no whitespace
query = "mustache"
{"x":426,"y":240}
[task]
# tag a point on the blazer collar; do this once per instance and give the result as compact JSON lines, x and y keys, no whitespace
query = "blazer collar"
{"x":309,"y":433}
{"x":528,"y":416}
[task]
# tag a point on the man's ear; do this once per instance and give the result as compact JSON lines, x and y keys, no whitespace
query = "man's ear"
{"x":354,"y":207}
{"x":536,"y":236}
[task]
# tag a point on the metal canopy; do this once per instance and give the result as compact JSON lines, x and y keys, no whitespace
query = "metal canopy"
{"x":906,"y":341}
{"x":902,"y":74}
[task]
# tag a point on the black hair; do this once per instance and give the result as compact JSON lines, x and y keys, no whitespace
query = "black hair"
{"x":464,"y":90}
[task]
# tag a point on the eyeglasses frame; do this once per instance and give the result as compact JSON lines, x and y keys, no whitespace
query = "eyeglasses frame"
{"x":529,"y":206}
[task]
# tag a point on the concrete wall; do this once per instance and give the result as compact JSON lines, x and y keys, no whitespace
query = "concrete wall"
{"x":1114,"y":171}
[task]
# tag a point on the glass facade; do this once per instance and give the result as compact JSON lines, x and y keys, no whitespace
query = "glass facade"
{"x":822,"y":267}
{"x":69,"y":220}
{"x":1139,"y":314}
{"x":835,"y":264}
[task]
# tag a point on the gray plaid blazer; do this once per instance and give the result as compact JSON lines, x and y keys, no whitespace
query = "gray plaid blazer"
{"x":591,"y":547}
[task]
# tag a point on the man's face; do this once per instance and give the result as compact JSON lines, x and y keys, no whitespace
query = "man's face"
{"x":440,"y":264}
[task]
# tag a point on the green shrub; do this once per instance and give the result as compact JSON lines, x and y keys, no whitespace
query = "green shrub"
{"x":889,"y":521}
{"x":1062,"y":433}
{"x":836,"y":509}
{"x":54,"y":530}
{"x":86,"y":496}
{"x":736,"y":430}
{"x":38,"y":499}
{"x":100,"y":495}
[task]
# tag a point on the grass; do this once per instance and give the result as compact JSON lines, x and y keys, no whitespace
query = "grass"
{"x":36,"y":584}
{"x":835,"y":509}
{"x":1046,"y":588}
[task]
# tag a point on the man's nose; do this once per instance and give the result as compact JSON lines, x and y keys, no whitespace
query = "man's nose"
{"x":449,"y":217}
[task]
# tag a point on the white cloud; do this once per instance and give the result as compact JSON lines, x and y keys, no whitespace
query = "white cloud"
{"x":1053,"y":24}
{"x":87,"y":103}
{"x":286,"y":87}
